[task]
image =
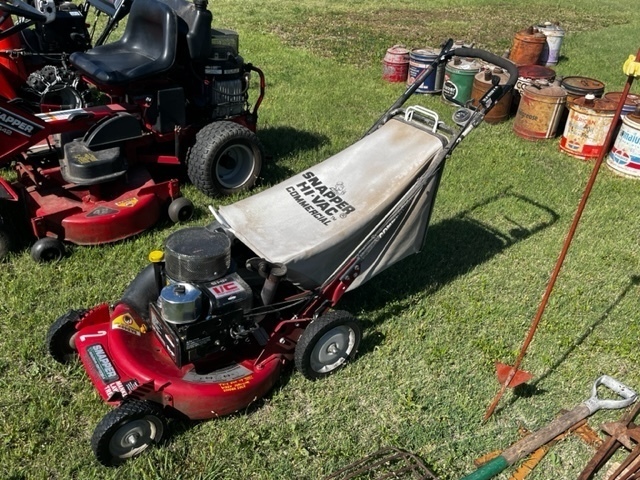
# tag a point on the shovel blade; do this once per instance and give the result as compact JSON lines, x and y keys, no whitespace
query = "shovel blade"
{"x":503,"y":371}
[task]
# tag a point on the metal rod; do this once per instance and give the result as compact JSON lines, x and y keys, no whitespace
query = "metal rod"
{"x":565,"y":247}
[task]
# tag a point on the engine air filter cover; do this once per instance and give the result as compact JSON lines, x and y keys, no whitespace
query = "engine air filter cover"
{"x":196,"y":254}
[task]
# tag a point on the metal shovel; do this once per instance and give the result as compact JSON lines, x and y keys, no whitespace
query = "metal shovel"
{"x":531,"y":442}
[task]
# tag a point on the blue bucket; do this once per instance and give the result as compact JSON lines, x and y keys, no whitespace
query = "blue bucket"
{"x":419,"y":60}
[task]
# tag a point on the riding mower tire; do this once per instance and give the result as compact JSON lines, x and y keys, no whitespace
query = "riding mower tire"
{"x":225,"y":159}
{"x":327,"y":344}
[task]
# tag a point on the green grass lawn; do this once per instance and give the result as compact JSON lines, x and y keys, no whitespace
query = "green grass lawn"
{"x":434,"y":323}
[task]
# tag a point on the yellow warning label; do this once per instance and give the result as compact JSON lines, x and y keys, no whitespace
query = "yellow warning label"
{"x":235,"y":385}
{"x":129,"y":202}
{"x":128,"y":324}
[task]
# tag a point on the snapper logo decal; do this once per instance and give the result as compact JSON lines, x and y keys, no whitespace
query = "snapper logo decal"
{"x":325,"y":204}
{"x":11,"y":122}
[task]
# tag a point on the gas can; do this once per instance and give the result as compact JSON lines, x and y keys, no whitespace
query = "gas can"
{"x":551,"y":48}
{"x":527,"y":46}
{"x":587,"y":126}
{"x":539,"y":112}
{"x":482,"y":82}
{"x":419,"y":60}
{"x":395,"y":64}
{"x":624,"y":157}
{"x":458,"y":80}
{"x":581,"y":86}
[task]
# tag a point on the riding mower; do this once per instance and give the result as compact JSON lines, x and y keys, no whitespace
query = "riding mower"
{"x":34,"y":50}
{"x":205,"y":329}
{"x":94,"y":175}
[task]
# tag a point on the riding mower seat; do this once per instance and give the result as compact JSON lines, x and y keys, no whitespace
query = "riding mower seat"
{"x":147,"y":48}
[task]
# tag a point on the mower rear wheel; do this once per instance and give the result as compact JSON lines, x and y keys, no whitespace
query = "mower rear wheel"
{"x":180,"y":210}
{"x":47,"y":249}
{"x":226,"y":158}
{"x":128,"y":430}
{"x":327,"y":344}
{"x":61,"y":336}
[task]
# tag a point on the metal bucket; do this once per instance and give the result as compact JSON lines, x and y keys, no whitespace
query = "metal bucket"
{"x":527,"y":46}
{"x":395,"y":64}
{"x":631,"y":103}
{"x":551,"y":49}
{"x":419,"y":60}
{"x":580,"y":86}
{"x":531,"y":75}
{"x":587,"y":126}
{"x":539,"y":112}
{"x":458,"y":80}
{"x":624,"y":157}
{"x":482,"y":84}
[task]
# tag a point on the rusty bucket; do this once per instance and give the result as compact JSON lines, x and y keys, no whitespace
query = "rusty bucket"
{"x":395,"y":64}
{"x":527,"y":46}
{"x":482,"y":83}
{"x":539,"y":112}
{"x":580,"y":86}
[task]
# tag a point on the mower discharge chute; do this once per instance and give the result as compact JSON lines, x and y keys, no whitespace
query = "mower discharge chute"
{"x":103,"y":173}
{"x":205,"y":329}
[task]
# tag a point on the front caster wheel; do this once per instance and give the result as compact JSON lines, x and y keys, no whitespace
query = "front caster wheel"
{"x":327,"y":344}
{"x":47,"y":249}
{"x":127,"y":431}
{"x":180,"y":210}
{"x":61,"y":336}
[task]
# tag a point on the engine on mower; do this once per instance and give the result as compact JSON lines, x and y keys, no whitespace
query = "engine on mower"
{"x":202,"y":308}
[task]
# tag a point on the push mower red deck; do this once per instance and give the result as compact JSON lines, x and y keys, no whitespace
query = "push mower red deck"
{"x":205,"y":329}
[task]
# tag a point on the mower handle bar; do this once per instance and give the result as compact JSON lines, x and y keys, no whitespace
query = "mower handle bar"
{"x":594,"y":403}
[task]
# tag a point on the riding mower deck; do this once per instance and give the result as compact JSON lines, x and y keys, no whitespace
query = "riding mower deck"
{"x":206,"y":328}
{"x":93,"y":175}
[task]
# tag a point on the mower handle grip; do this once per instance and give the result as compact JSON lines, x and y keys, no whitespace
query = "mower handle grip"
{"x":488,"y":57}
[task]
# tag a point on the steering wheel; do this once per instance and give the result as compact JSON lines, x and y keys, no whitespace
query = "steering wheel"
{"x":22,"y":9}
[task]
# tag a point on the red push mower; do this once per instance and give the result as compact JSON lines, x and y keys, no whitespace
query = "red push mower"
{"x":94,"y":175}
{"x":206,"y":328}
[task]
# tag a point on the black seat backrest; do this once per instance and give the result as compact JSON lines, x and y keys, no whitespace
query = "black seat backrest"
{"x":194,"y":25}
{"x":146,"y":48}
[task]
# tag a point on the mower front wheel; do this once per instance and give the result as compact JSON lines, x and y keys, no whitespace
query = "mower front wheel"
{"x":327,"y":344}
{"x":5,"y":242}
{"x":61,"y":336}
{"x":47,"y":249}
{"x":180,"y":210}
{"x":127,"y":431}
{"x":226,"y":158}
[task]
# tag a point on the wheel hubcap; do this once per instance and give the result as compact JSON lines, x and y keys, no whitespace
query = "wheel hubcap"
{"x":333,"y":349}
{"x":135,"y":436}
{"x":235,"y":166}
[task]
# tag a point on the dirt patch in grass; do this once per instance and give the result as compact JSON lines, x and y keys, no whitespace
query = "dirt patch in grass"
{"x":360,"y":37}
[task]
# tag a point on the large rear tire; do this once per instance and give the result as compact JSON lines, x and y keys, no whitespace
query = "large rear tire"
{"x":327,"y":344}
{"x":226,"y":158}
{"x":128,"y":430}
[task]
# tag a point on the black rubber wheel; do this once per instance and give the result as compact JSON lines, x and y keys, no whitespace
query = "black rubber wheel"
{"x":226,"y":158}
{"x":327,"y":344}
{"x":61,"y":336}
{"x":128,"y":430}
{"x":180,"y":210}
{"x":6,"y":242}
{"x":47,"y":249}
